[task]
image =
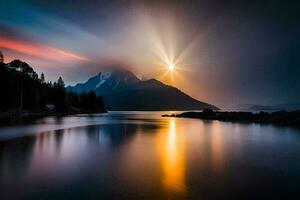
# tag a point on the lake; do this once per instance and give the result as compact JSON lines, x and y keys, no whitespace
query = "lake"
{"x":140,"y":155}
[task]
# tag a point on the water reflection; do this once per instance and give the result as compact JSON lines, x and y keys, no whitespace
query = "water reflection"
{"x":216,"y":145}
{"x":148,"y":157}
{"x":172,"y":154}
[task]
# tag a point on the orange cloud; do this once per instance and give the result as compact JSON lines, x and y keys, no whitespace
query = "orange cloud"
{"x":39,"y":50}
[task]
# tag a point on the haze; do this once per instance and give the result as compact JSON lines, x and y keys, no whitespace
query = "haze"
{"x":224,"y":52}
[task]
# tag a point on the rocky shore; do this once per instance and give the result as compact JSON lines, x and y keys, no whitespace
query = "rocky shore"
{"x":279,"y":118}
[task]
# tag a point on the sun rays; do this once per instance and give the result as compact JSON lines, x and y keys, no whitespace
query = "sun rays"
{"x":171,"y":59}
{"x":171,"y":67}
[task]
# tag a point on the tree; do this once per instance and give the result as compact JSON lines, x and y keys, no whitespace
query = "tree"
{"x":59,"y":95}
{"x":42,"y":78}
{"x":24,"y":90}
{"x":1,"y":57}
{"x":60,"y":82}
{"x":23,"y":68}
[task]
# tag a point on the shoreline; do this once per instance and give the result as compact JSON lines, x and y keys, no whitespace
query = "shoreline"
{"x":12,"y":118}
{"x":282,"y":118}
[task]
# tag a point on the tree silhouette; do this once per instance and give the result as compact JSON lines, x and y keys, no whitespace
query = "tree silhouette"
{"x":19,"y":81}
{"x":60,"y":82}
{"x":1,"y":57}
{"x":42,"y":78}
{"x":23,"y":68}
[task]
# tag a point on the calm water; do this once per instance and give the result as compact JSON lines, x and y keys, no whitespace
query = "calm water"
{"x":136,"y":155}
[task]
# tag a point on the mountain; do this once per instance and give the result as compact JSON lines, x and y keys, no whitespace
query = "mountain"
{"x":277,"y":107}
{"x":106,"y":82}
{"x":122,"y":90}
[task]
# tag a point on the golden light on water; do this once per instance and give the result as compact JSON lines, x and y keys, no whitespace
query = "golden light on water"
{"x":172,"y":154}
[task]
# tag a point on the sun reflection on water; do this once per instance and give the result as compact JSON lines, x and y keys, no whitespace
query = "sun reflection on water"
{"x":146,"y":158}
{"x":172,"y":154}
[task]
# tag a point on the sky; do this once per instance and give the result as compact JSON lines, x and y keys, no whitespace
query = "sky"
{"x":225,"y":52}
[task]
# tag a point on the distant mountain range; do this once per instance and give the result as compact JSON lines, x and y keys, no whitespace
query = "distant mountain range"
{"x":122,"y":90}
{"x":277,"y":107}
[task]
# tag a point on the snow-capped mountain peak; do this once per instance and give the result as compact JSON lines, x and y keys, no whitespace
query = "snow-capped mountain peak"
{"x":103,"y":76}
{"x":106,"y":81}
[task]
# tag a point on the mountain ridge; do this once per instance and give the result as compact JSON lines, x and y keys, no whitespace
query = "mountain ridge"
{"x":291,"y":106}
{"x":122,"y":90}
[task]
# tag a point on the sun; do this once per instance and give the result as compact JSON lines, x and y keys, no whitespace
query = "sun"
{"x":171,"y":67}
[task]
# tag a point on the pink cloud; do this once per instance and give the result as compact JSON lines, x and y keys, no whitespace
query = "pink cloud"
{"x":39,"y":50}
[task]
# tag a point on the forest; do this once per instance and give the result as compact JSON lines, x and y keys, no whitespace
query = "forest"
{"x":23,"y":90}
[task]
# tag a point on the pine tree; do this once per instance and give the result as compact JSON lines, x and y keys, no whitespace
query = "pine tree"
{"x":1,"y":57}
{"x":60,"y":82}
{"x":24,"y":89}
{"x":42,"y":78}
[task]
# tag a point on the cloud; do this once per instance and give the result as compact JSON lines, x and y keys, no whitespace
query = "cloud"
{"x":23,"y":45}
